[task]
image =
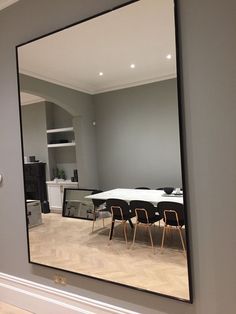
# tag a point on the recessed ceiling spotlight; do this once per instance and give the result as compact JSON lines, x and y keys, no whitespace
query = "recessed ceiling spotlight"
{"x":169,"y":56}
{"x":132,"y":66}
{"x":100,"y":73}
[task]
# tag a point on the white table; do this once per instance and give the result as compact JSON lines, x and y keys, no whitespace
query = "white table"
{"x":153,"y":196}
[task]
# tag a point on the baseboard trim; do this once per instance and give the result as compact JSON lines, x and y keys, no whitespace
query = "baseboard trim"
{"x":42,"y":299}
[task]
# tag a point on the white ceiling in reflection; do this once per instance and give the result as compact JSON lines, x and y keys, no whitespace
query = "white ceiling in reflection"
{"x":142,"y":33}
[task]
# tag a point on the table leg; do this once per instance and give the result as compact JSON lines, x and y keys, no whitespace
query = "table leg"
{"x":111,"y":230}
{"x":131,"y":224}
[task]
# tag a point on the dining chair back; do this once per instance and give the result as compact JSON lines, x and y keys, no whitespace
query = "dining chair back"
{"x":146,"y":214}
{"x":173,"y":216}
{"x":120,"y":210}
{"x":172,"y":213}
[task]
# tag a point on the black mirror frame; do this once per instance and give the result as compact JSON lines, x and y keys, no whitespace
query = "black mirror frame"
{"x":64,"y":201}
{"x":182,"y":150}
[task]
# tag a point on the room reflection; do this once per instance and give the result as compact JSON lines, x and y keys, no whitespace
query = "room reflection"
{"x":102,"y":167}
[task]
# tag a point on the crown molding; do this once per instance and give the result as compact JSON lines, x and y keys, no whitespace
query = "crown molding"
{"x":54,"y":81}
{"x":102,"y":90}
{"x":137,"y":83}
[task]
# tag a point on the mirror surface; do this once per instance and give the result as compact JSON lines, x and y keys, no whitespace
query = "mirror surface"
{"x":100,"y":126}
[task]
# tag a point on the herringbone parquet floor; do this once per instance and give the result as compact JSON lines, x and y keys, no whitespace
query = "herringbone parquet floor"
{"x":68,"y":243}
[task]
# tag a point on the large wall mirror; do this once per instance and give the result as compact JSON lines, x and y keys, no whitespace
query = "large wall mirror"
{"x":102,"y":150}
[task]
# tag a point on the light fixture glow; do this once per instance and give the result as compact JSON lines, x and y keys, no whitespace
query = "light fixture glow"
{"x":132,"y":66}
{"x":169,"y":56}
{"x":100,"y":73}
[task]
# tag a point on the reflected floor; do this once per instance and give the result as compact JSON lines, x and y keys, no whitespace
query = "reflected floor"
{"x":69,"y":244}
{"x":9,"y":309}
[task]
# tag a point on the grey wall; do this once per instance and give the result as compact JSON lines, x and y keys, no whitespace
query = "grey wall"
{"x":86,"y":142}
{"x":137,"y":134}
{"x":80,"y":106}
{"x":208,"y":54}
{"x":36,"y":119}
{"x":57,"y":117}
{"x":34,"y":132}
{"x":136,"y":137}
{"x":75,"y":102}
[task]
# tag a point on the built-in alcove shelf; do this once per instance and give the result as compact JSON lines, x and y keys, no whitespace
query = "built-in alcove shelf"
{"x":61,"y":145}
{"x":70,"y":129}
{"x":54,"y":136}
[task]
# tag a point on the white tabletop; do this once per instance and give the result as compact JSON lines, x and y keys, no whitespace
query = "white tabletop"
{"x":153,"y":196}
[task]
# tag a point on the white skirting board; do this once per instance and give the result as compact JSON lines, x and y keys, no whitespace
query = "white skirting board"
{"x":40,"y":299}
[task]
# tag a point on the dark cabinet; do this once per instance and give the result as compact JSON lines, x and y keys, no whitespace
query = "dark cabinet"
{"x":35,"y":181}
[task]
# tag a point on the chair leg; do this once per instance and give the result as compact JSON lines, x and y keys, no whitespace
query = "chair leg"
{"x":150,"y":234}
{"x":182,"y":240}
{"x":79,"y":210}
{"x":163,"y":236}
{"x":111,"y":229}
{"x":103,"y":223}
{"x":135,"y":229}
{"x":93,"y":225}
{"x":94,"y":218}
{"x":125,"y":233}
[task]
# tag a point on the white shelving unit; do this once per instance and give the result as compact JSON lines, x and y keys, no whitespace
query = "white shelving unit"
{"x":61,"y":145}
{"x":61,"y":130}
{"x":56,"y":193}
{"x":61,"y":148}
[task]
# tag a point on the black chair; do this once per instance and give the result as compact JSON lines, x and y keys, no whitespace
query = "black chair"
{"x":142,"y":188}
{"x":173,"y":216}
{"x":146,"y":214}
{"x":181,"y":189}
{"x":99,"y":212}
{"x":165,"y":187}
{"x":119,"y":210}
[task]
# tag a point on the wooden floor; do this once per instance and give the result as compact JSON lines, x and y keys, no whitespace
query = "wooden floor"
{"x":69,"y":244}
{"x":9,"y":309}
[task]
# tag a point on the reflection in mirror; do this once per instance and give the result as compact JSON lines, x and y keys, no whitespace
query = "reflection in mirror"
{"x":100,"y":126}
{"x":76,"y":205}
